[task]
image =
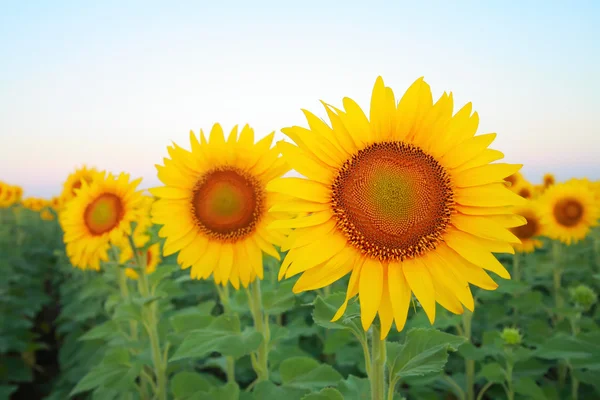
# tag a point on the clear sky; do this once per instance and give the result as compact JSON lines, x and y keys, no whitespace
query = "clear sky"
{"x":112,"y":83}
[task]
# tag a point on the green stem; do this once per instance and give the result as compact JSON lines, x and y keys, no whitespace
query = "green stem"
{"x":378,"y":356}
{"x":517,"y":278}
{"x":459,"y":392}
{"x":484,"y":389}
{"x":557,"y":277}
{"x":226,"y":303}
{"x":261,"y":324}
{"x":151,"y":323}
{"x":509,"y":372}
{"x":365,"y":346}
{"x":469,"y":364}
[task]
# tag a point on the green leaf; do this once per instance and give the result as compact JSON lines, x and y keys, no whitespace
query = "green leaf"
{"x":99,"y":376}
{"x":185,"y":384}
{"x":325,"y":309}
{"x":128,"y":312}
{"x":424,"y":351}
{"x":493,"y":372}
{"x":307,"y":373}
{"x":191,"y":318}
{"x":102,"y":331}
{"x":223,"y":335}
{"x":279,"y":300}
{"x":527,"y":387}
{"x":268,"y":390}
{"x":354,"y":388}
{"x":563,"y":347}
{"x":7,"y":390}
{"x":325,"y":394}
{"x":230,"y":391}
{"x":337,"y":339}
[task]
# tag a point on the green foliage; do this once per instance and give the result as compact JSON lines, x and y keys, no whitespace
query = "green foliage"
{"x":101,"y":349}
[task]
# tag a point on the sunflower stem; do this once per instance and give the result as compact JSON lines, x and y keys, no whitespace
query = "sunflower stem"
{"x":261,"y":324}
{"x":225,"y":302}
{"x":467,"y":317}
{"x":149,"y":314}
{"x":517,"y":278}
{"x":378,"y":356}
{"x":557,"y":277}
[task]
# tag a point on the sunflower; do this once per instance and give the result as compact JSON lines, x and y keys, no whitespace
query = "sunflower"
{"x":406,"y":201}
{"x":525,"y":190}
{"x":47,"y":215}
{"x":152,"y":259}
{"x":140,"y":233}
{"x":100,"y":214}
{"x":549,"y":180}
{"x":515,"y":181}
{"x":75,"y":180}
{"x":9,"y":195}
{"x":529,"y":232}
{"x":34,"y":203}
{"x":569,"y":210}
{"x":213,"y":206}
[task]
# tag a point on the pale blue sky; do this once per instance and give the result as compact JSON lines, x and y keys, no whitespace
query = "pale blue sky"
{"x":112,"y":83}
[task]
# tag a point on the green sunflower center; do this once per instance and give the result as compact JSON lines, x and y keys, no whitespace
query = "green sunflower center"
{"x":103,"y":214}
{"x":393,"y":201}
{"x":568,"y":212}
{"x":227,"y":203}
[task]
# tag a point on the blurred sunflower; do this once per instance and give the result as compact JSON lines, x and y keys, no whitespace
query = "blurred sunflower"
{"x":569,"y":210}
{"x":525,"y":190}
{"x":34,"y":203}
{"x":515,"y":181}
{"x":75,"y":180}
{"x":140,"y":233}
{"x":549,"y":180}
{"x":9,"y":195}
{"x":213,"y":206}
{"x":406,"y":201}
{"x":101,"y":213}
{"x":47,"y":215}
{"x":152,"y":258}
{"x":529,"y":232}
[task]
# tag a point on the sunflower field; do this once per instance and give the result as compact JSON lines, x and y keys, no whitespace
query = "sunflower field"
{"x":379,"y":254}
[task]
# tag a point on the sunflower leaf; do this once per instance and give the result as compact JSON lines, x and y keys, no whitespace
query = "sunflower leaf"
{"x":424,"y":351}
{"x":222,"y":335}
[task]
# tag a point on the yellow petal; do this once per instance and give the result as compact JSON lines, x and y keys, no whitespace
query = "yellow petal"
{"x":468,"y":271}
{"x":355,"y":120}
{"x":483,"y":227}
{"x":400,"y":294}
{"x":486,"y":174}
{"x":315,"y":253}
{"x":485,"y":157}
{"x":383,"y":109}
{"x":470,"y":249}
{"x":420,"y":282}
{"x":317,"y":218}
{"x":324,"y":275}
{"x":171,"y":193}
{"x":351,"y":291}
{"x":492,"y":195}
{"x":453,"y":284}
{"x":386,"y":313}
{"x":467,"y":150}
{"x":413,"y":105}
{"x":305,"y":163}
{"x":301,"y":188}
{"x":303,"y":236}
{"x":370,"y":288}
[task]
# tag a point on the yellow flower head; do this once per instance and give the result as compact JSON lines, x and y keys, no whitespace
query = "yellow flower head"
{"x":569,"y":210}
{"x":528,"y":233}
{"x":152,"y":258}
{"x":75,"y":181}
{"x":549,"y":180}
{"x":406,"y":201}
{"x":100,"y":214}
{"x":9,"y":194}
{"x":213,"y":206}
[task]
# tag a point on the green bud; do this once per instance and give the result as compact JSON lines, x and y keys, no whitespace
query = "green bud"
{"x":511,"y":336}
{"x":583,"y":296}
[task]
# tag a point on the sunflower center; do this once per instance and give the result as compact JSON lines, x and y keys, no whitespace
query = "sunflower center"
{"x":103,"y":214}
{"x":525,"y":193}
{"x":529,"y":230}
{"x":392,"y":201}
{"x":227,"y":203}
{"x":568,"y":212}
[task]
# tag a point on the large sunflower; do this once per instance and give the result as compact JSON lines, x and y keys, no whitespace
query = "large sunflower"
{"x":100,"y":214}
{"x":406,"y":201}
{"x":528,"y":233}
{"x":75,"y":180}
{"x":569,"y":210}
{"x":515,"y":181}
{"x":214,"y":205}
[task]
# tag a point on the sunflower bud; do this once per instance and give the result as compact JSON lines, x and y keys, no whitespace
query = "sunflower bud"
{"x":511,"y":336}
{"x":583,"y":296}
